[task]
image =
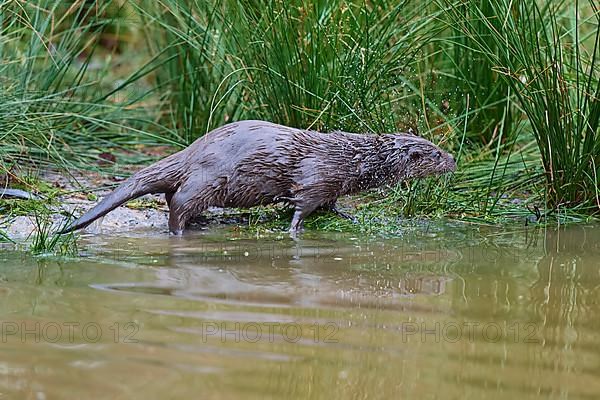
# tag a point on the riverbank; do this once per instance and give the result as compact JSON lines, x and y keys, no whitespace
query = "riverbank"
{"x":387,"y":211}
{"x":59,"y":199}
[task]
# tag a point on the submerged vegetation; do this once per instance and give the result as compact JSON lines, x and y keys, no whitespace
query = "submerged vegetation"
{"x":512,"y":88}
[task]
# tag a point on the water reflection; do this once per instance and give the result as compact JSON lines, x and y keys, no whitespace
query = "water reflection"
{"x":565,"y":300}
{"x":306,"y":273}
{"x":447,"y":312}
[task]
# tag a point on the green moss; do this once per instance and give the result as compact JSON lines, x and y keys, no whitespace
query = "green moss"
{"x":140,"y":204}
{"x":19,"y":207}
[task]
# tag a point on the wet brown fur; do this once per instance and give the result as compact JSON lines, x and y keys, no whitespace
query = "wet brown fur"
{"x":250,"y":163}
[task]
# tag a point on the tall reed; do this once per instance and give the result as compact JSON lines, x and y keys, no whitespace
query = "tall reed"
{"x":330,"y":65}
{"x":197,"y":74}
{"x":549,"y":54}
{"x":326,"y":65}
{"x":474,"y":73}
{"x":55,"y":105}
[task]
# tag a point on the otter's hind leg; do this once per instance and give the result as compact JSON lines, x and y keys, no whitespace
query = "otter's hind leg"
{"x":168,"y":197}
{"x":177,"y":215}
{"x":189,"y":200}
{"x":177,"y":220}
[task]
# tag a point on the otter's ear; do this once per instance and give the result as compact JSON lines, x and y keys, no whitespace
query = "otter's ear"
{"x":414,"y":154}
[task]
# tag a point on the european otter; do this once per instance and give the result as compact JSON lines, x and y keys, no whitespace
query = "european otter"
{"x":250,"y":163}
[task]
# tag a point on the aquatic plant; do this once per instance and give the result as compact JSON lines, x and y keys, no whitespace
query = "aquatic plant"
{"x":46,"y":241}
{"x":549,"y":55}
{"x":332,"y":65}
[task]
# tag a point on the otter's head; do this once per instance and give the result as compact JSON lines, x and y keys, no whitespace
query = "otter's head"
{"x":421,"y":158}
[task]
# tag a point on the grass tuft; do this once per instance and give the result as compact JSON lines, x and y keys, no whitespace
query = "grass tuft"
{"x":549,"y":56}
{"x":46,"y":241}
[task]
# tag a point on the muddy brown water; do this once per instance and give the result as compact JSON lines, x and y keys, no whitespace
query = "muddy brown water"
{"x":445,"y":311}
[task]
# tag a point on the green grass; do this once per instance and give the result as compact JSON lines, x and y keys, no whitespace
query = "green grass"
{"x":58,"y":106}
{"x":511,"y":88}
{"x":43,"y":239}
{"x":549,"y":55}
{"x":197,"y":79}
{"x":328,"y":65}
{"x":325,"y":65}
{"x":473,"y":74}
{"x":4,"y":237}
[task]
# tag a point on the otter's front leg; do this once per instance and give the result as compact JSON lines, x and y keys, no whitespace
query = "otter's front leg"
{"x":310,"y":192}
{"x":297,"y":224}
{"x":303,"y":210}
{"x":333,"y":208}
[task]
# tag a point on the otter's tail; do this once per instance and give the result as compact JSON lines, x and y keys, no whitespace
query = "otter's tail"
{"x":161,"y":177}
